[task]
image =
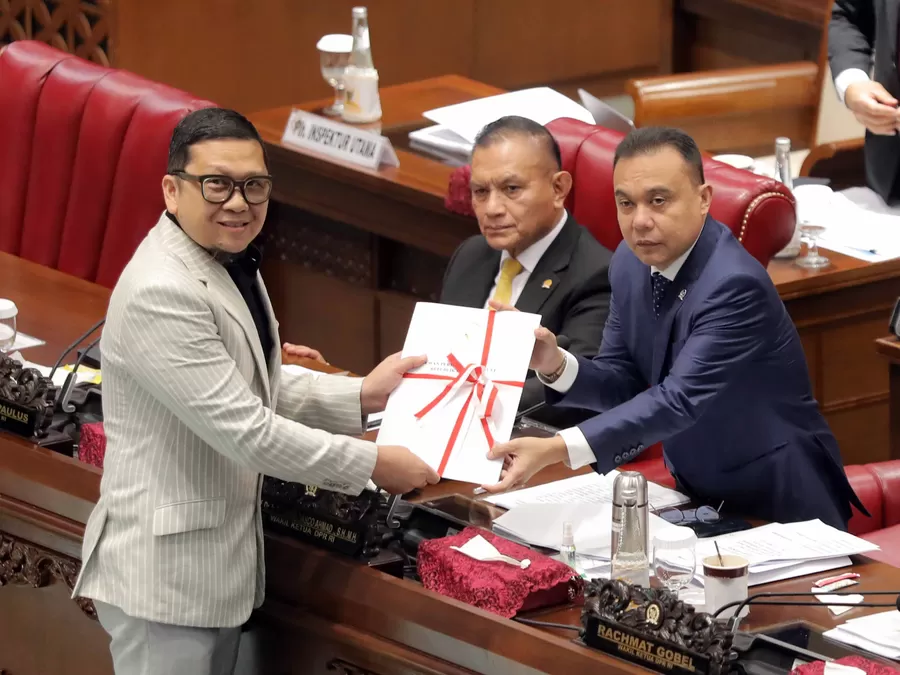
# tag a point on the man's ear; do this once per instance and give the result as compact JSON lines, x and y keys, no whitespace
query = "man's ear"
{"x":170,"y":193}
{"x":706,"y":194}
{"x":562,"y":185}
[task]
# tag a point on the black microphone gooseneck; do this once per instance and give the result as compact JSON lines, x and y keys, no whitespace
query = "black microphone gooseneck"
{"x":77,"y":342}
{"x":562,"y":342}
{"x":752,"y":600}
{"x":69,"y":384}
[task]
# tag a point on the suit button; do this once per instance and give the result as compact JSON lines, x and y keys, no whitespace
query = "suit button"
{"x":618,"y":459}
{"x":640,"y":447}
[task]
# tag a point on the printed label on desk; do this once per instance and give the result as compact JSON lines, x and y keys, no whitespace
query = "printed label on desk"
{"x":341,"y":141}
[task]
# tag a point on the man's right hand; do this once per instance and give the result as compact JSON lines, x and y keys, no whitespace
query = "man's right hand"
{"x":399,"y":471}
{"x":873,"y":106}
{"x":546,"y":357}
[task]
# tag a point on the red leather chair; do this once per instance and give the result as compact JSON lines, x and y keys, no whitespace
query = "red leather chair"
{"x":878,"y":487}
{"x":760,"y":212}
{"x":83,"y":154}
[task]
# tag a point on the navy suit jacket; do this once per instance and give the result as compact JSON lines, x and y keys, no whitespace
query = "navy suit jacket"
{"x":721,"y":379}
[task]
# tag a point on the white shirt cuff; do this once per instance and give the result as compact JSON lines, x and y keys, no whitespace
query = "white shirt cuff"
{"x":580,"y":453}
{"x":565,"y":381}
{"x":847,"y":77}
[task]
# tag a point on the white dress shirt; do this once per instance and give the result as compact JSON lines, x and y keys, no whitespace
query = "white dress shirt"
{"x":528,"y":259}
{"x":847,"y":77}
{"x":580,"y":453}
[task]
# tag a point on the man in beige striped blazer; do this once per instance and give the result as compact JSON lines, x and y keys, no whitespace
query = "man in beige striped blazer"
{"x":196,"y":408}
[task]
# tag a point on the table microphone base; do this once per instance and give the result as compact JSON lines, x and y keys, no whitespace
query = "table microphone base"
{"x":57,"y":441}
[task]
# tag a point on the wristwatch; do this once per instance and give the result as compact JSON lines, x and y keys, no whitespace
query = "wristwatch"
{"x":555,"y":375}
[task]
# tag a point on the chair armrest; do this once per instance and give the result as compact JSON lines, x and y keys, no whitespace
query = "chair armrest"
{"x":842,"y":162}
{"x":735,"y":109}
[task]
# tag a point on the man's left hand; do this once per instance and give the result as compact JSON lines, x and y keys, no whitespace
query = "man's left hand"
{"x":291,"y":354}
{"x":383,"y":379}
{"x":524,"y":457}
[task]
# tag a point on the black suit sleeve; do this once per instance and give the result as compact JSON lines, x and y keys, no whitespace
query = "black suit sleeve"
{"x":851,"y":35}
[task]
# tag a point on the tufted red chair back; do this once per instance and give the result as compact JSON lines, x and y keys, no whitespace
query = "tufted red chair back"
{"x":84,"y":150}
{"x":760,"y":211}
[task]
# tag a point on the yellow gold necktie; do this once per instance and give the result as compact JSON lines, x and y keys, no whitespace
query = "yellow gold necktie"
{"x":508,"y":271}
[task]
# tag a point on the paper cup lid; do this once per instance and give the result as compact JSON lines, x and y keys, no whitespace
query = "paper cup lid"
{"x":8,"y":309}
{"x":336,"y":43}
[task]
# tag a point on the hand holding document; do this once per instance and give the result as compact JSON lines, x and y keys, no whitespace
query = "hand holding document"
{"x":453,"y":409}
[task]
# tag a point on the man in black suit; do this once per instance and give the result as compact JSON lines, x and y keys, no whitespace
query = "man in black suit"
{"x":861,"y":30}
{"x":531,"y":253}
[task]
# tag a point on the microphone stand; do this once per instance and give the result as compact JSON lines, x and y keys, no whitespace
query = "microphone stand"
{"x":77,"y":342}
{"x":71,"y":378}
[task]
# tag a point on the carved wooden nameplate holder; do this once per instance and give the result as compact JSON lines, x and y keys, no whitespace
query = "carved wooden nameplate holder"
{"x":654,"y":629}
{"x":27,"y":399}
{"x":350,"y":525}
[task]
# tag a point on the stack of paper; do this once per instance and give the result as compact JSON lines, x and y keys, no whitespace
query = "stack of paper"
{"x":786,"y":550}
{"x":588,"y":488}
{"x":877,"y":633}
{"x":456,"y":126}
{"x":542,"y":525}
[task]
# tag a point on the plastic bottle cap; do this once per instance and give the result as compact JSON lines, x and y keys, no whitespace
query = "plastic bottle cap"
{"x":568,"y":538}
{"x":8,"y":309}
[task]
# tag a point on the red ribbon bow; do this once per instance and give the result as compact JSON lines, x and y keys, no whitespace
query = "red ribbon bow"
{"x":483,"y":390}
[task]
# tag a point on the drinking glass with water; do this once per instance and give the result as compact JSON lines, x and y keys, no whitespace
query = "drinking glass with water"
{"x":674,"y":557}
{"x":8,"y":312}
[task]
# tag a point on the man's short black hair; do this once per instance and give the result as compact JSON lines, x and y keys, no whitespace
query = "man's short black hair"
{"x":513,"y":125}
{"x":646,"y":140}
{"x":208,"y":124}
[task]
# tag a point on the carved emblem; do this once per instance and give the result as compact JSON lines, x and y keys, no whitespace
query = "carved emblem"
{"x":311,"y":490}
{"x":22,"y":563}
{"x":654,"y":615}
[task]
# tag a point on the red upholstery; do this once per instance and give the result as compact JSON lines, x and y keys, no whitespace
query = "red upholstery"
{"x":84,"y":153}
{"x":760,"y":211}
{"x":878,"y":486}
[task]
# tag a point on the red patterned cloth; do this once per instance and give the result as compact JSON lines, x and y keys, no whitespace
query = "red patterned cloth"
{"x":459,"y":197}
{"x":497,"y":587}
{"x":869,"y":667}
{"x":92,"y":446}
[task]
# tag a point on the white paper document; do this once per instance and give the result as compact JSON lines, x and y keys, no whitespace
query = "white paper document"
{"x":541,"y":104}
{"x":588,"y":488}
{"x":464,"y":399}
{"x":877,"y":633}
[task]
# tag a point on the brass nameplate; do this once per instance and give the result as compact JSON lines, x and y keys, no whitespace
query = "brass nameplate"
{"x":658,"y":655}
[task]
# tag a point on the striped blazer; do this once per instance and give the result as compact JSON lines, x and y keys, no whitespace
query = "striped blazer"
{"x":193,"y":417}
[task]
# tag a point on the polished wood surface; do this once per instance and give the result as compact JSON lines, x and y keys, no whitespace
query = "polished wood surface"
{"x":386,"y":237}
{"x":738,"y":110}
{"x":714,"y":34}
{"x":324,"y":613}
{"x":889,"y":348}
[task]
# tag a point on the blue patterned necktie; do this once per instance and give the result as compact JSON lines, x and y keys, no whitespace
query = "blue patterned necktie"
{"x":660,"y":284}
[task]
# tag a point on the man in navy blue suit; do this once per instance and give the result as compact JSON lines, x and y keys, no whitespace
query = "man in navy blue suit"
{"x":698,"y":352}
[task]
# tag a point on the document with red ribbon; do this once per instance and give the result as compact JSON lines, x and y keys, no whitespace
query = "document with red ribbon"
{"x":464,"y":399}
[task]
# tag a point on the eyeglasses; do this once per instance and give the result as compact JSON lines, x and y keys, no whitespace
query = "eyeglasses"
{"x":218,"y":189}
{"x":702,"y":514}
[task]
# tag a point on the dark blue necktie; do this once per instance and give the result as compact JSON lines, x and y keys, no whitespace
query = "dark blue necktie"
{"x":660,"y":284}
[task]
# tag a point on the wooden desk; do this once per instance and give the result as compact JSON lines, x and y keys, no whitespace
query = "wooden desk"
{"x":324,"y":613}
{"x":357,"y":249}
{"x":889,"y":347}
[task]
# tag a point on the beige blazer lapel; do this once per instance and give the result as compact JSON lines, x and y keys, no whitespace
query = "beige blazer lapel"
{"x":220,"y":285}
{"x":275,"y":356}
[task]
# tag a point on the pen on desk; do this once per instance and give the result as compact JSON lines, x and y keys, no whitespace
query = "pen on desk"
{"x":861,"y":249}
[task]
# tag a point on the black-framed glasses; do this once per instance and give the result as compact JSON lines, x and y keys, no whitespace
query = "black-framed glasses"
{"x":217,"y":189}
{"x":702,"y":514}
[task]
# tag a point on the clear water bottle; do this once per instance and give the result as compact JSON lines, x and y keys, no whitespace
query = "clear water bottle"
{"x":783,"y":174}
{"x":8,"y":313}
{"x":362,"y":102}
{"x":630,"y":560}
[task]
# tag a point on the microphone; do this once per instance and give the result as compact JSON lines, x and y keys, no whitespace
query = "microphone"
{"x":562,"y":342}
{"x":81,"y":338}
{"x":69,"y":384}
{"x":763,"y":600}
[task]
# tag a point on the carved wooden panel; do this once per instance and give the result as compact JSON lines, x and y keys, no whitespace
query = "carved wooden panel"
{"x":23,"y":563}
{"x":80,"y":27}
